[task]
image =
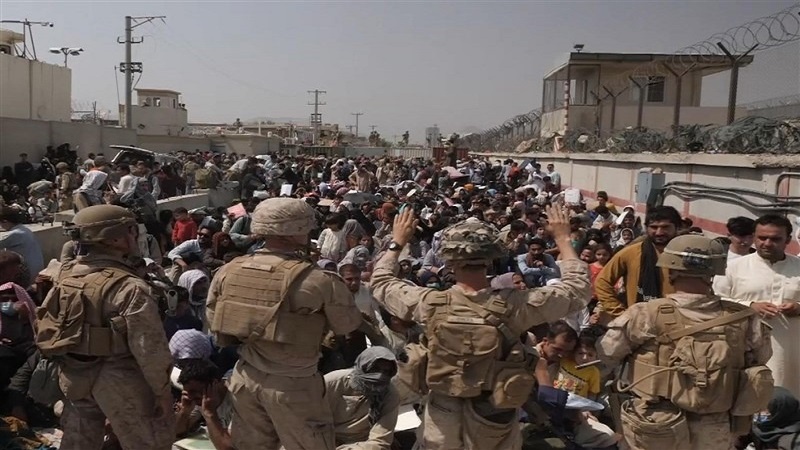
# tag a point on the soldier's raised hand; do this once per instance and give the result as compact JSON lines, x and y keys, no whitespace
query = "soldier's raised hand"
{"x":405,"y":225}
{"x":557,"y":221}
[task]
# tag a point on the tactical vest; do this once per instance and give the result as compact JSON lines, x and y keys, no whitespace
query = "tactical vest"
{"x":72,"y":318}
{"x":252,"y":306}
{"x":695,"y":365}
{"x":472,"y":351}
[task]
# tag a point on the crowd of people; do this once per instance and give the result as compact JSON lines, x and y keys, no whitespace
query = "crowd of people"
{"x":392,"y":246}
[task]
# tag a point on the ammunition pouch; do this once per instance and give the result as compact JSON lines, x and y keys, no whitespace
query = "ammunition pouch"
{"x":755,"y":391}
{"x":663,"y":428}
{"x":512,"y":386}
{"x":412,"y":371}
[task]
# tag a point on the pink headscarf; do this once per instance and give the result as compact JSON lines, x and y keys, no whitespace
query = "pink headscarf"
{"x":23,"y":297}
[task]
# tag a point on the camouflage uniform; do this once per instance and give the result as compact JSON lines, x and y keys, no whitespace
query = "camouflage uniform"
{"x":634,"y":335}
{"x":124,"y":388}
{"x":66,"y":186}
{"x":451,"y":423}
{"x":276,"y":389}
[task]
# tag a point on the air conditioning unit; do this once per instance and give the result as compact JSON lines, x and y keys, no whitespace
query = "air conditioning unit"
{"x":6,"y":49}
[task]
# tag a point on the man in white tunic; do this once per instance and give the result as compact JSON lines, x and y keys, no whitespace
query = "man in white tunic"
{"x":769,"y":282}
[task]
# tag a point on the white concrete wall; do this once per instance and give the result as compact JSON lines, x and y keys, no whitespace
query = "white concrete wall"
{"x":617,"y":175}
{"x":660,"y":117}
{"x":33,"y":136}
{"x":51,"y":237}
{"x":34,"y":90}
{"x":160,"y":120}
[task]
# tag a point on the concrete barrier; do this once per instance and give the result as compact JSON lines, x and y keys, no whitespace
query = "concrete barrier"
{"x":617,"y":174}
{"x":51,"y":237}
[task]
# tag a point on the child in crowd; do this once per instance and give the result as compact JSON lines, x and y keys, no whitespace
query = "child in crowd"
{"x":602,"y":254}
{"x":583,"y":381}
{"x":184,"y":227}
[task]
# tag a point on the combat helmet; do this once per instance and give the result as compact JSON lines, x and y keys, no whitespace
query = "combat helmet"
{"x":470,"y":241}
{"x":283,"y":216}
{"x":100,"y":222}
{"x":694,"y":255}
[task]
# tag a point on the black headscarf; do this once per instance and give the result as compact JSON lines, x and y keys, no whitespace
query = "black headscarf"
{"x":784,"y":410}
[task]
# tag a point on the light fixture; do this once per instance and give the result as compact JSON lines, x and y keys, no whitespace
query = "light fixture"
{"x":578,"y":47}
{"x":67,"y":52}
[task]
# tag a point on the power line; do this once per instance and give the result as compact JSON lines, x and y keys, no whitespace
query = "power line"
{"x":172,"y":39}
{"x":316,"y":117}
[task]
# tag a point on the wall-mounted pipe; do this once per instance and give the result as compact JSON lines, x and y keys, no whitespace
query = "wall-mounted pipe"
{"x":781,"y":176}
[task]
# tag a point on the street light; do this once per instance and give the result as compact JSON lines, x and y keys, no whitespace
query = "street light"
{"x":67,"y":51}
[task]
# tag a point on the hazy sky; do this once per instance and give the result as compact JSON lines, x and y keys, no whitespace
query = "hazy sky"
{"x":406,"y":65}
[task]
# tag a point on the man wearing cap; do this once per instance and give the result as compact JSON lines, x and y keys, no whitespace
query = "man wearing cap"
{"x":102,"y":323}
{"x":279,"y":305}
{"x":695,"y":363}
{"x":477,"y":373}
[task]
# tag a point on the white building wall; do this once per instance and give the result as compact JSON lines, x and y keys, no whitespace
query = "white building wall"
{"x":34,"y":90}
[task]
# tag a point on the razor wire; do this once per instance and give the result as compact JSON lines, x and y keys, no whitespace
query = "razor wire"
{"x":761,"y":34}
{"x":752,"y":135}
{"x":755,"y":36}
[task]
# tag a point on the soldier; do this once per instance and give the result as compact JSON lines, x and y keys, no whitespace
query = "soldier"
{"x":67,"y":183}
{"x":696,"y":362}
{"x":279,"y":305}
{"x":477,"y":372}
{"x":101,"y":325}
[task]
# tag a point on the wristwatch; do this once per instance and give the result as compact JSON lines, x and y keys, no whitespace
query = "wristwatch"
{"x":395,"y":247}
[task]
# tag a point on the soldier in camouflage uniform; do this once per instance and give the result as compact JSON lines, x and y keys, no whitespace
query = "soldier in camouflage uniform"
{"x":470,"y":409}
{"x":696,"y":362}
{"x":101,"y":324}
{"x":279,"y":305}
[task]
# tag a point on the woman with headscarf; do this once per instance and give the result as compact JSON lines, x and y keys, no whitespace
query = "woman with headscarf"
{"x":359,"y":255}
{"x":327,"y":264}
{"x":430,"y":279}
{"x":780,"y":428}
{"x":196,"y":282}
{"x":364,"y":402}
{"x":510,"y":280}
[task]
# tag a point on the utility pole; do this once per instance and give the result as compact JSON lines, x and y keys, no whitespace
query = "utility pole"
{"x":128,"y":67}
{"x":357,"y":114}
{"x":372,"y":127}
{"x":316,"y":118}
{"x":349,"y":128}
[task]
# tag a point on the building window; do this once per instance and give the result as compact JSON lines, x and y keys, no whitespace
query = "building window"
{"x":653,"y":92}
{"x":157,"y":101}
{"x":174,"y":103}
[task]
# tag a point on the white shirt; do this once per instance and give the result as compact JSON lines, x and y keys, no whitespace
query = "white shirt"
{"x":751,"y":278}
{"x":126,"y":184}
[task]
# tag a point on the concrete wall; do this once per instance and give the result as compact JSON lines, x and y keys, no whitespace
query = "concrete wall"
{"x":169,"y":144}
{"x":248,"y":144}
{"x":160,"y":120}
{"x":617,"y":175}
{"x":34,"y":90}
{"x":352,"y":152}
{"x":51,"y":237}
{"x":33,"y":136}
